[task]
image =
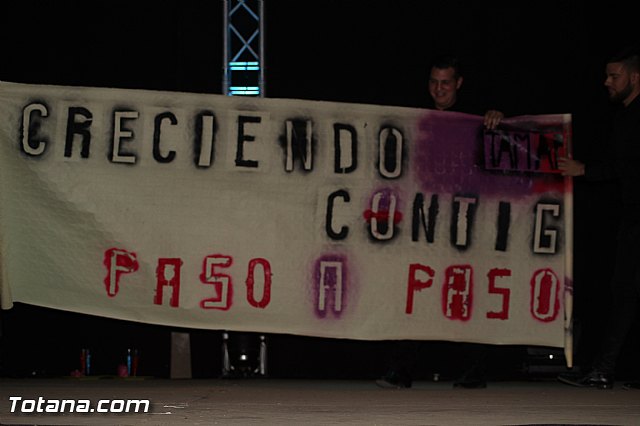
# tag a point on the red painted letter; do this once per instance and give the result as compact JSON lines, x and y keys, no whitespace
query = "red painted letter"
{"x":545,"y":287}
{"x":505,"y":292}
{"x":415,"y":284}
{"x":118,"y":262}
{"x":221,"y":282}
{"x":168,"y":274}
{"x":457,"y":292}
{"x":266,"y":287}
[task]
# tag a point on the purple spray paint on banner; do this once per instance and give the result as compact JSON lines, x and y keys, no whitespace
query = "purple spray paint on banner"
{"x":449,"y":158}
{"x":331,"y":285}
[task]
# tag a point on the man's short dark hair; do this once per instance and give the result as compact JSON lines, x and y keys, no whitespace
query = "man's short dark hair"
{"x":629,"y":56}
{"x":448,"y":61}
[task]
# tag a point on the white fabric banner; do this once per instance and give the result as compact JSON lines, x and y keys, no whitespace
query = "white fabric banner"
{"x":284,"y":216}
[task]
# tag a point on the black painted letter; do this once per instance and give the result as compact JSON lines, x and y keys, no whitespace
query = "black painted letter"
{"x":344,"y":231}
{"x":157,"y":155}
{"x":242,"y":138}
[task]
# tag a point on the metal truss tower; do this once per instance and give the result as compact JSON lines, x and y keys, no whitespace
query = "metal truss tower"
{"x":243,"y":60}
{"x":244,"y":354}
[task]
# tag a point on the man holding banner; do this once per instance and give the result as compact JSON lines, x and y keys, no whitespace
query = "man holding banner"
{"x":623,"y":84}
{"x":445,"y":81}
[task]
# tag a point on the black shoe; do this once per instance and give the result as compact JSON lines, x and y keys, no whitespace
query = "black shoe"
{"x":631,"y":385}
{"x":391,"y":382}
{"x":595,"y":379}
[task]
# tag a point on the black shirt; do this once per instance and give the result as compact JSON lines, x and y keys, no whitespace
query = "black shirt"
{"x":621,"y":159}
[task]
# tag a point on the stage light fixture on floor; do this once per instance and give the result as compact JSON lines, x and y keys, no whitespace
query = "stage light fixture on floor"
{"x":244,"y":355}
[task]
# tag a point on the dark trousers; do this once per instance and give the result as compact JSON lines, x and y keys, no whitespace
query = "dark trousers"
{"x":625,"y":287}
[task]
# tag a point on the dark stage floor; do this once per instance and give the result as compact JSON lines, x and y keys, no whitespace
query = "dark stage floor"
{"x":318,"y":402}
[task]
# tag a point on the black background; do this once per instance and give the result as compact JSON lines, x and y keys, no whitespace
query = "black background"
{"x":520,"y":57}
